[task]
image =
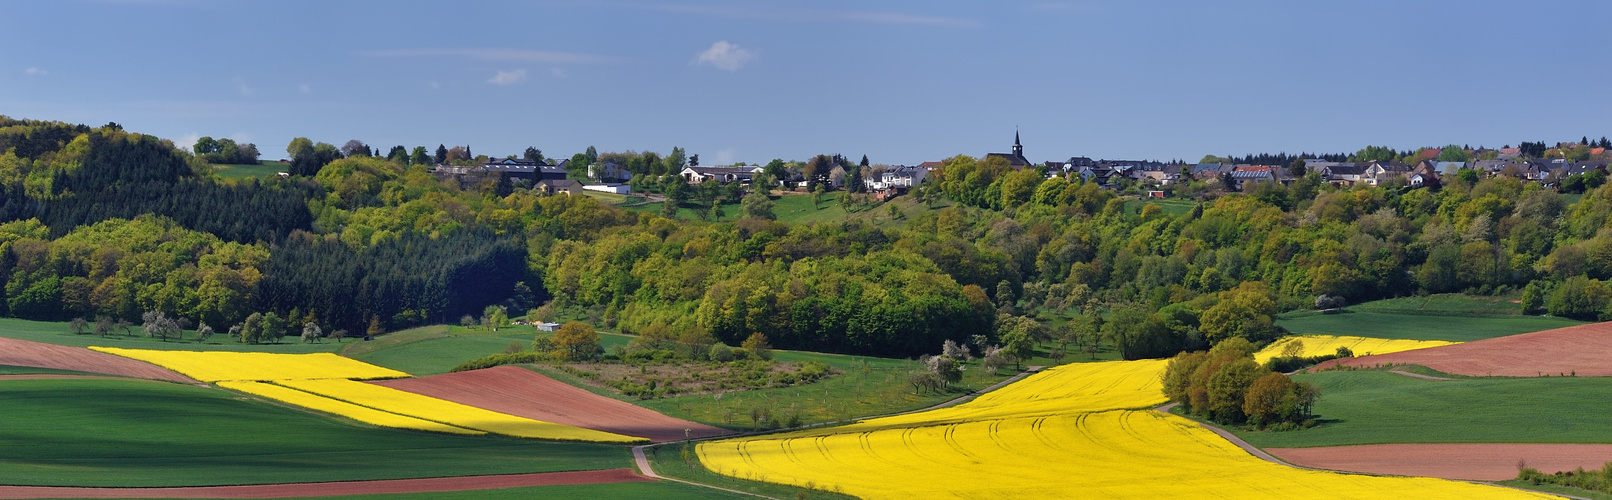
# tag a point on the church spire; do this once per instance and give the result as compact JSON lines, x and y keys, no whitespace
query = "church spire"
{"x":1018,"y":150}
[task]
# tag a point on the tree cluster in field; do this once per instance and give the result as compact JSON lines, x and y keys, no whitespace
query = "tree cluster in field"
{"x":225,"y":151}
{"x":1592,"y":480}
{"x":1224,"y":384}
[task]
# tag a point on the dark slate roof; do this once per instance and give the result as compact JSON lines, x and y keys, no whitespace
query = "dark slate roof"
{"x":1013,"y":159}
{"x":1347,"y":169}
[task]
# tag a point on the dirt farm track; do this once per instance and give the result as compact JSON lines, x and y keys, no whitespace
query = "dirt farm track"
{"x":1469,"y":461}
{"x":15,"y":352}
{"x":524,"y":393}
{"x":1583,"y":351}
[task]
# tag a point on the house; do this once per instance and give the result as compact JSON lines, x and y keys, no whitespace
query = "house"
{"x":551,"y":172}
{"x":608,"y":171}
{"x":1243,"y":175}
{"x":1016,"y":158}
{"x":548,"y":327}
{"x":1160,"y":173}
{"x":1343,"y":174}
{"x":1424,"y":175}
{"x":1377,"y":173}
{"x":898,"y":178}
{"x":743,"y":174}
{"x":560,"y":186}
{"x":613,"y":188}
{"x":513,"y":168}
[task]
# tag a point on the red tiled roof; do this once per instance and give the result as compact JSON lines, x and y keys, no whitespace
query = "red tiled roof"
{"x":1430,"y":153}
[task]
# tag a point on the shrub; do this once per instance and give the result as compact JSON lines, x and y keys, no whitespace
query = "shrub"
{"x":499,"y":359}
{"x":721,"y":353}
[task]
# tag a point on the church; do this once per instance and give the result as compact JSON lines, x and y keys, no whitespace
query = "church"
{"x":1016,"y":158}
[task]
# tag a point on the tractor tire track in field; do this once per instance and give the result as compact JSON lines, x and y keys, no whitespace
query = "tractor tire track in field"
{"x":377,"y":487}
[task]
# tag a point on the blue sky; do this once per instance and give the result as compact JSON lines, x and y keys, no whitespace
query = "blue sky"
{"x":902,"y":82}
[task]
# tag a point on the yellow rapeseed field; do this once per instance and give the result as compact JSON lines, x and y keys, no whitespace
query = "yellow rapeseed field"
{"x":214,"y":366}
{"x":451,"y":413}
{"x":1070,"y":432}
{"x":1316,"y":345}
{"x":349,"y":410}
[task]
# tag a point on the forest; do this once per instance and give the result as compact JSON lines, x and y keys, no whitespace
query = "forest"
{"x":101,"y":222}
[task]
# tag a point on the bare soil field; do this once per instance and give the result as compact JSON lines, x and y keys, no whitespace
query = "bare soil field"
{"x":521,"y":392}
{"x":1582,"y":350}
{"x":1468,"y":461}
{"x":15,"y":352}
{"x":390,"y":486}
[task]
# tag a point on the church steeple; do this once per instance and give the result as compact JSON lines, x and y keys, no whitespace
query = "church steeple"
{"x":1018,"y":150}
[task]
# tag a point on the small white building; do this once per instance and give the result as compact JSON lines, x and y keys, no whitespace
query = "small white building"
{"x":609,"y":188}
{"x":548,"y":327}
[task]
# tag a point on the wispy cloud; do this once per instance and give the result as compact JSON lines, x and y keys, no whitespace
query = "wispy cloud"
{"x":725,"y":56}
{"x":508,"y":77}
{"x":304,"y":88}
{"x":31,"y":71}
{"x":724,"y":156}
{"x":186,"y":141}
{"x":242,"y":87}
{"x":494,"y":54}
{"x":823,"y":16}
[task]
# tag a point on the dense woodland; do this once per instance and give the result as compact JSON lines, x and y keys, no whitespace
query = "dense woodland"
{"x":103,"y":222}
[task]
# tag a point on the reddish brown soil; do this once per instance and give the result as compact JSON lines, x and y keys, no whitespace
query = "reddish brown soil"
{"x":15,"y":352}
{"x":1583,"y":350}
{"x":391,"y":486}
{"x":1482,"y":462}
{"x":521,"y":392}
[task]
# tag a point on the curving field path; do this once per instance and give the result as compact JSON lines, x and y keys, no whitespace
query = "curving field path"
{"x":525,"y":393}
{"x":1466,"y":461}
{"x":14,"y":352}
{"x":389,"y":486}
{"x":1582,"y":350}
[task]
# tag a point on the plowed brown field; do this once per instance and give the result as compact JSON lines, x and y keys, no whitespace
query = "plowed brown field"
{"x":521,"y":392}
{"x":391,"y":486}
{"x":1481,"y":461}
{"x":1584,"y":350}
{"x":15,"y":352}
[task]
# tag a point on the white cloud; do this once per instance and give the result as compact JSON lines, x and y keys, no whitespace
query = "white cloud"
{"x":32,"y":71}
{"x":304,"y":88}
{"x":494,"y":54}
{"x":558,"y":72}
{"x":242,"y":87}
{"x":187,"y":140}
{"x":508,"y":77}
{"x":725,"y":56}
{"x":822,"y":16}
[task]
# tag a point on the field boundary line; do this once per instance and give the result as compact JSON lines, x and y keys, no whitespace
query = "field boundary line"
{"x":1420,"y":376}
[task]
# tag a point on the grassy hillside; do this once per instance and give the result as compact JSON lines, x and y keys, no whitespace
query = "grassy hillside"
{"x":1452,"y":317}
{"x":58,"y":333}
{"x":261,"y":170}
{"x":1372,"y":407}
{"x":82,"y":432}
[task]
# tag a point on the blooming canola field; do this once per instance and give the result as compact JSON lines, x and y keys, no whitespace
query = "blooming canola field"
{"x":1318,"y":345}
{"x":214,"y":366}
{"x":1076,"y":431}
{"x":324,"y":382}
{"x":345,"y":409}
{"x":448,"y":412}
